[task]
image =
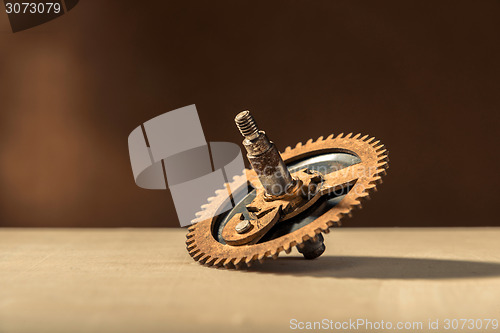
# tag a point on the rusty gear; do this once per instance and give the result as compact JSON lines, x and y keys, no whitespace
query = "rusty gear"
{"x":203,"y":247}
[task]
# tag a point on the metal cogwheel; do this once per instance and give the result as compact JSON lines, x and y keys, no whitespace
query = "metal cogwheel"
{"x":313,"y":199}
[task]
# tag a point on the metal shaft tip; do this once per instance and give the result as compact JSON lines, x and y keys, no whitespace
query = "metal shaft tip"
{"x":246,"y":124}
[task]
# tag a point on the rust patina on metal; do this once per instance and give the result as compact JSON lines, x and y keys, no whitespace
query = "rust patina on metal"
{"x":281,"y":195}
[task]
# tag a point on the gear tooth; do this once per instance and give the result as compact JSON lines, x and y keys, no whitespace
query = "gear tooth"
{"x":305,"y":238}
{"x":249,"y":264}
{"x":298,"y":145}
{"x":364,"y":137}
{"x":191,"y":228}
{"x":229,"y":263}
{"x":371,"y":186}
{"x":222,"y":191}
{"x":356,"y":136}
{"x":205,"y":206}
{"x":334,"y":223}
{"x":348,"y":136}
{"x":288,"y":149}
{"x":203,"y":259}
{"x":379,"y":148}
{"x":210,"y":262}
{"x":261,"y":257}
{"x":326,"y":231}
{"x":378,"y":181}
{"x":191,"y":246}
{"x":219,"y":262}
{"x":320,"y":139}
{"x":189,"y":241}
{"x":329,"y":137}
{"x":370,"y":140}
{"x":288,"y":250}
{"x":198,"y":255}
{"x":190,"y":235}
{"x":198,"y":214}
{"x":276,"y":252}
{"x":374,"y":144}
{"x":198,"y":219}
{"x":339,"y":136}
{"x":382,"y":164}
{"x":318,"y":232}
{"x":249,"y":260}
{"x":210,"y":199}
{"x":292,"y":244}
{"x":345,"y":210}
{"x":384,"y":159}
{"x":237,"y":262}
{"x":383,"y":153}
{"x":364,"y":195}
{"x":193,"y":251}
{"x":362,"y":201}
{"x":309,"y":141}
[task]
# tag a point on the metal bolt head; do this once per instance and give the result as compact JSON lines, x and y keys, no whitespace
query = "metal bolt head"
{"x":312,"y":248}
{"x":243,"y":226}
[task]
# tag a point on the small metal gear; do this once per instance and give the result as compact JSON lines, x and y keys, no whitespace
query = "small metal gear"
{"x":351,"y":168}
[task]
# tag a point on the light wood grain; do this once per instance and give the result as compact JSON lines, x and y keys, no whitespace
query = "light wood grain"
{"x":143,"y":280}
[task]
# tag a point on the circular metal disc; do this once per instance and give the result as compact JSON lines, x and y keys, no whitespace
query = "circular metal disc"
{"x":323,"y":163}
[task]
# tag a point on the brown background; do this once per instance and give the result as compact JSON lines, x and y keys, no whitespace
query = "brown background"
{"x":422,"y":76}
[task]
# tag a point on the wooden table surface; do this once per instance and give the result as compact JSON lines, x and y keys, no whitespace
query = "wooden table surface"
{"x":143,"y":280}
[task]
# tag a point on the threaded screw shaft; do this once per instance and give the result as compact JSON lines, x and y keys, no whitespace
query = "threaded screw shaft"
{"x":264,"y":156}
{"x":246,"y":124}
